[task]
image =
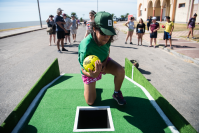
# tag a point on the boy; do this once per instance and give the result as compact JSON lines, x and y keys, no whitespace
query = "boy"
{"x":154,"y":27}
{"x":168,"y":31}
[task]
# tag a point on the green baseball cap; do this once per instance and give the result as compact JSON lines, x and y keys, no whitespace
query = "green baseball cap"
{"x":104,"y":21}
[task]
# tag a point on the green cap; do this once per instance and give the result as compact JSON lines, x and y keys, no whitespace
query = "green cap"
{"x":104,"y":21}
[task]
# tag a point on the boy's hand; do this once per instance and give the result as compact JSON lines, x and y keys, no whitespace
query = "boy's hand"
{"x":98,"y":67}
{"x":170,"y":33}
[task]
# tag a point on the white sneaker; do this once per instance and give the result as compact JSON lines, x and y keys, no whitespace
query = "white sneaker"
{"x":69,"y":43}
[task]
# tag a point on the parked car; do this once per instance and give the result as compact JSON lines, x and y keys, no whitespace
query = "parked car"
{"x":126,"y":19}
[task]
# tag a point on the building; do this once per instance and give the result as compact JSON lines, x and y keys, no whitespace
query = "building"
{"x":178,"y":10}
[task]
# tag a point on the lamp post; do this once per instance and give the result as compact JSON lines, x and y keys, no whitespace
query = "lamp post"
{"x":97,"y":5}
{"x":39,"y":13}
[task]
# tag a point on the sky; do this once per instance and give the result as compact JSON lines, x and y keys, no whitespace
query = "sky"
{"x":27,"y":10}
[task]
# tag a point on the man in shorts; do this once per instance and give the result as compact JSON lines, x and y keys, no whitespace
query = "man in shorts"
{"x":60,"y":29}
{"x":154,"y":27}
{"x":67,"y":27}
{"x":74,"y":27}
{"x":168,"y":31}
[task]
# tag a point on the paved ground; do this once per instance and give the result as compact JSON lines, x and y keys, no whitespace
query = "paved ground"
{"x":25,"y":57}
{"x":182,"y":46}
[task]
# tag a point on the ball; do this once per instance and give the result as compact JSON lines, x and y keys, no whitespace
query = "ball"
{"x":89,"y":62}
{"x":163,"y":26}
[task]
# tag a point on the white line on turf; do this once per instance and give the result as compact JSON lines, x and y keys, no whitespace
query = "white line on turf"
{"x":155,"y":105}
{"x":31,"y":106}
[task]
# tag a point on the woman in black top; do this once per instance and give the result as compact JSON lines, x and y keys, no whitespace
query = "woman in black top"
{"x":51,"y":23}
{"x":140,"y":30}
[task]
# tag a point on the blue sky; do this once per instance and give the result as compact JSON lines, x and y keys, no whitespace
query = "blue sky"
{"x":27,"y":10}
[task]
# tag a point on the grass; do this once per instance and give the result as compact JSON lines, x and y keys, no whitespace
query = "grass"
{"x":190,"y":38}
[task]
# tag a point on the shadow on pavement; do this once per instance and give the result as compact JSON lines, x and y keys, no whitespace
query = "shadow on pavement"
{"x":144,"y":71}
{"x":123,"y":47}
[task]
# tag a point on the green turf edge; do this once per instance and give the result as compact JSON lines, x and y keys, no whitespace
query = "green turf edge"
{"x":49,"y":75}
{"x":174,"y":116}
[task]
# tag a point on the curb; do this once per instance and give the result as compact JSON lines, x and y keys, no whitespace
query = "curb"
{"x":180,"y":55}
{"x":1,"y":37}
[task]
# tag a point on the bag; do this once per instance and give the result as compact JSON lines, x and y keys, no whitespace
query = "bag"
{"x":50,"y":29}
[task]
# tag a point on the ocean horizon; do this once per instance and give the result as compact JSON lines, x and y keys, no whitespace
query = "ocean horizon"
{"x":9,"y":25}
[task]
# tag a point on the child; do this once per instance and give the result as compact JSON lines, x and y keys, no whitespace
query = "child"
{"x":154,"y":27}
{"x":98,"y":43}
{"x":140,"y":30}
{"x":168,"y":31}
{"x":130,"y":25}
{"x":91,"y":15}
{"x":191,"y":25}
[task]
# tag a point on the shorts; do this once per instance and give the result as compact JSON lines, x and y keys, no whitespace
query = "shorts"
{"x":68,"y":34}
{"x":130,"y":29}
{"x":140,"y":31}
{"x":74,"y":31}
{"x":167,"y":35}
{"x":153,"y":35}
{"x":60,"y":34}
{"x":190,"y":26}
{"x":88,"y":80}
{"x":54,"y":32}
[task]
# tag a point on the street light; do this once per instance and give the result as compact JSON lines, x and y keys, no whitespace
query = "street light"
{"x":97,"y":5}
{"x":39,"y":13}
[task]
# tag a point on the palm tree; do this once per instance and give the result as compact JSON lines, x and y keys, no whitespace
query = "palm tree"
{"x":122,"y":16}
{"x":74,"y":14}
{"x":126,"y":15}
{"x":112,"y":15}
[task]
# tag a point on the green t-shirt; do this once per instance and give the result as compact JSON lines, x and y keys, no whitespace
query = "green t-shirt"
{"x":89,"y":47}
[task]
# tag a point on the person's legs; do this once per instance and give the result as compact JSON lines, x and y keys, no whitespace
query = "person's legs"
{"x":138,"y":38}
{"x":62,"y":42}
{"x":141,"y":37}
{"x":50,"y":36}
{"x":190,"y":29}
{"x":74,"y":37}
{"x":54,"y":38}
{"x":58,"y":43}
{"x":128,"y":34}
{"x":154,"y":42}
{"x":192,"y":32}
{"x":90,"y":93}
{"x":65,"y":39}
{"x":170,"y":42}
{"x":131,"y":34}
{"x":117,"y":70}
{"x":69,"y":39}
{"x":151,"y":40}
{"x":165,"y":42}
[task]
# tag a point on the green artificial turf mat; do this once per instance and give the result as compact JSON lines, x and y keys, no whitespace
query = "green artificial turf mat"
{"x":57,"y":109}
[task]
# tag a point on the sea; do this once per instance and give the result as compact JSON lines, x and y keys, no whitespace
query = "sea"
{"x":10,"y":25}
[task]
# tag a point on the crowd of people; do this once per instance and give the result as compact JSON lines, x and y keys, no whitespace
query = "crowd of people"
{"x":153,"y":27}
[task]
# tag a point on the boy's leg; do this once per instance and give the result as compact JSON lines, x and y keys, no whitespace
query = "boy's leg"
{"x":90,"y":93}
{"x":69,"y":39}
{"x":170,"y":41}
{"x":154,"y":42}
{"x":165,"y":42}
{"x":58,"y":43}
{"x":151,"y":40}
{"x":62,"y":42}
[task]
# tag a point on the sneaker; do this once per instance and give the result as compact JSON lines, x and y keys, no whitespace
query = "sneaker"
{"x":171,"y":47}
{"x":65,"y":43}
{"x":193,"y":37}
{"x":125,"y":42}
{"x":131,"y":43}
{"x":119,"y":98}
{"x":59,"y":51}
{"x":187,"y":37}
{"x":69,"y":43}
{"x":63,"y":49}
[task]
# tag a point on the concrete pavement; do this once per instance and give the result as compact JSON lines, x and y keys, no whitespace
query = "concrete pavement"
{"x":25,"y":57}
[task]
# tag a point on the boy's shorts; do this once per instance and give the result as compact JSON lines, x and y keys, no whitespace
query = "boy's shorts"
{"x":153,"y":35}
{"x":167,"y":35}
{"x":88,"y":80}
{"x":73,"y":31}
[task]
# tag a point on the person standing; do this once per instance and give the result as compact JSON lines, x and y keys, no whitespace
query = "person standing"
{"x":88,"y":27}
{"x":140,"y":30}
{"x":149,"y":21}
{"x":74,"y":27}
{"x":154,"y":27}
{"x":191,"y":25}
{"x":60,"y":30}
{"x":51,"y":23}
{"x":130,"y":25}
{"x":67,"y":27}
{"x":168,"y":31}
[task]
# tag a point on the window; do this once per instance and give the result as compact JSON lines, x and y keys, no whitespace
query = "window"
{"x":181,"y":5}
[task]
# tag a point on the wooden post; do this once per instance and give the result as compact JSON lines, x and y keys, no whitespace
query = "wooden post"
{"x":161,"y":13}
{"x":153,"y":11}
